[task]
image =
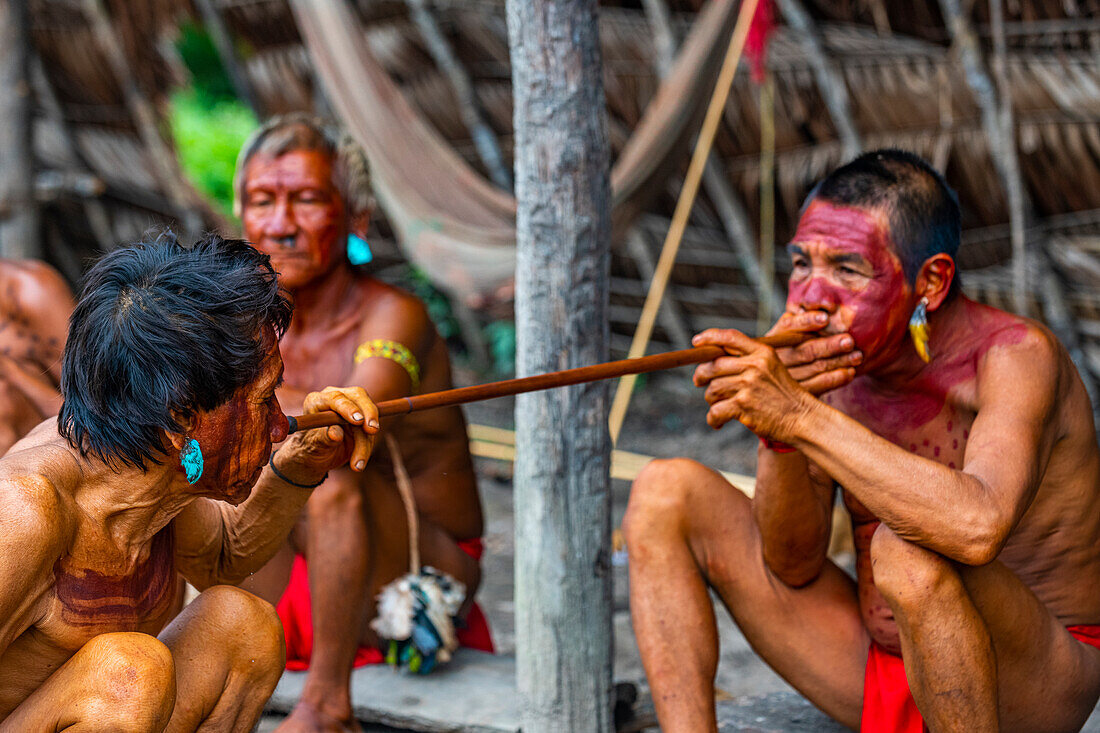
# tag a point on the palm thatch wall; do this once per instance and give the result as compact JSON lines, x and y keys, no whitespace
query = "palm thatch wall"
{"x":892,"y":58}
{"x":107,"y":171}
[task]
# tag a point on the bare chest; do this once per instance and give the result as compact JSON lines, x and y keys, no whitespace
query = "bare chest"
{"x":313,"y":360}
{"x":87,"y":602}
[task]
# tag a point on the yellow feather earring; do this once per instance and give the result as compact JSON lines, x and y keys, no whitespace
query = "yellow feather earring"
{"x":918,"y":329}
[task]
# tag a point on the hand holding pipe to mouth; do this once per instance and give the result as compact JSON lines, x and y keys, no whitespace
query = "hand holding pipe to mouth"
{"x":766,"y":389}
{"x":779,"y":339}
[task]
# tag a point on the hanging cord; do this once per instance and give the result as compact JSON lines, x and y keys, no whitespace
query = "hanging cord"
{"x":683,"y":210}
{"x":404,"y":487}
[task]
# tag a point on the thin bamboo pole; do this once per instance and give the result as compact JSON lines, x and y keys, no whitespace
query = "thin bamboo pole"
{"x":683,"y":210}
{"x":767,"y":202}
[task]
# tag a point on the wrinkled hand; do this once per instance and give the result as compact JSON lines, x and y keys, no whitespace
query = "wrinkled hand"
{"x":820,"y":363}
{"x":751,"y":385}
{"x":312,"y":453}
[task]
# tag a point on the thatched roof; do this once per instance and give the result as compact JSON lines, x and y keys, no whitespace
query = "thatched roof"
{"x":105,"y":177}
{"x":905,"y":85}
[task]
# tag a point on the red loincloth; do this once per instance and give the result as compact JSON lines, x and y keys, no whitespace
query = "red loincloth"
{"x":297,"y":617}
{"x":888,"y":707}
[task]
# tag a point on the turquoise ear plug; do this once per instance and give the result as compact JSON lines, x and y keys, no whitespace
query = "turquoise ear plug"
{"x":191,"y":460}
{"x":358,"y":250}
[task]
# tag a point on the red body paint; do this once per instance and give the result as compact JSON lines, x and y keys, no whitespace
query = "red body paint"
{"x":122,"y":602}
{"x":236,"y":437}
{"x":845,"y":263}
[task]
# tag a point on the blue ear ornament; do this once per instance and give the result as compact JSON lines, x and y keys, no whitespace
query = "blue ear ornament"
{"x":191,"y":460}
{"x":358,"y":250}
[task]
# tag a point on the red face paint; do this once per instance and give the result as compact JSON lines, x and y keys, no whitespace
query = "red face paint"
{"x":236,"y":437}
{"x":844,"y":263}
{"x":292,"y":212}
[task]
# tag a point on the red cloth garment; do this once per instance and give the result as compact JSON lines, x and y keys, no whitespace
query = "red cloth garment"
{"x":888,"y":706}
{"x":297,"y":616}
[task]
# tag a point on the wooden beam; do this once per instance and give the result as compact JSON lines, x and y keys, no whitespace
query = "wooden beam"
{"x":20,"y":229}
{"x":164,"y":167}
{"x":671,"y":317}
{"x":99,"y":222}
{"x":829,"y":80}
{"x":485,"y":141}
{"x":563,"y":255}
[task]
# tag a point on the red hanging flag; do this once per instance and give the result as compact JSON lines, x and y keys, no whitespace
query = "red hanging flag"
{"x":756,"y":44}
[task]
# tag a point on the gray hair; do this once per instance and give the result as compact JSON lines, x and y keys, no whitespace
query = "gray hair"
{"x":300,"y":131}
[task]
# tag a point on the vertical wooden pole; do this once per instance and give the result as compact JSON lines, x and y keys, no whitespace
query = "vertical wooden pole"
{"x":767,"y":201}
{"x":20,"y":233}
{"x":562,"y":498}
{"x":1015,"y":186}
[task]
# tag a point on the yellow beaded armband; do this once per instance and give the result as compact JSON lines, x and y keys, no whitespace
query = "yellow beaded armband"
{"x":393,"y":351}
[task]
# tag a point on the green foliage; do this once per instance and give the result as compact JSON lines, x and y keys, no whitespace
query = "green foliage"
{"x":208,"y":136}
{"x":208,"y":76}
{"x":208,"y":122}
{"x":502,"y":346}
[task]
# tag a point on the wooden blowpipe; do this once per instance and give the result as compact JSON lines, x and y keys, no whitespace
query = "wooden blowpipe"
{"x":566,"y":377}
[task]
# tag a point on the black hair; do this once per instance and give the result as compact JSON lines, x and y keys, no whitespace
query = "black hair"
{"x":160,"y":332}
{"x":922,"y":209}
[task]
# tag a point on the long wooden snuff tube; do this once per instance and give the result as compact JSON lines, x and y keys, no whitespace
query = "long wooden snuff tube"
{"x":566,"y":377}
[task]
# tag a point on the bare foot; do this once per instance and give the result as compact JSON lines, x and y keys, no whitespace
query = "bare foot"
{"x":307,"y":719}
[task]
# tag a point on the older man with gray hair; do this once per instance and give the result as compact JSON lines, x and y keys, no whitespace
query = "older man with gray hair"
{"x":303,"y":194}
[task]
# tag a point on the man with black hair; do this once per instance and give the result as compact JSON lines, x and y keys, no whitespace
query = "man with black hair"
{"x":303,"y":194}
{"x":963,"y":442}
{"x":159,"y":468}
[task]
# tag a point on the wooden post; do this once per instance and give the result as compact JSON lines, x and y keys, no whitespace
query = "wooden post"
{"x":767,"y":201}
{"x":1015,"y":187}
{"x":562,"y":498}
{"x":20,"y":233}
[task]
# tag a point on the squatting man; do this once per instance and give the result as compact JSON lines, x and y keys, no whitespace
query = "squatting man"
{"x":965,"y":451}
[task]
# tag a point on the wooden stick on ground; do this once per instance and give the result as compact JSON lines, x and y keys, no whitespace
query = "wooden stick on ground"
{"x":579,"y":375}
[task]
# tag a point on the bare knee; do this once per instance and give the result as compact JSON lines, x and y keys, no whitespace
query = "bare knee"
{"x":135,"y":687}
{"x":340,"y":494}
{"x":906,"y":574}
{"x":658,"y":494}
{"x":252,"y":634}
{"x":665,"y":496}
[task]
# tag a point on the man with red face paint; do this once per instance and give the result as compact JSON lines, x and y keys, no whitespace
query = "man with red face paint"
{"x":302,"y":190}
{"x":159,"y":468}
{"x":972,"y":479}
